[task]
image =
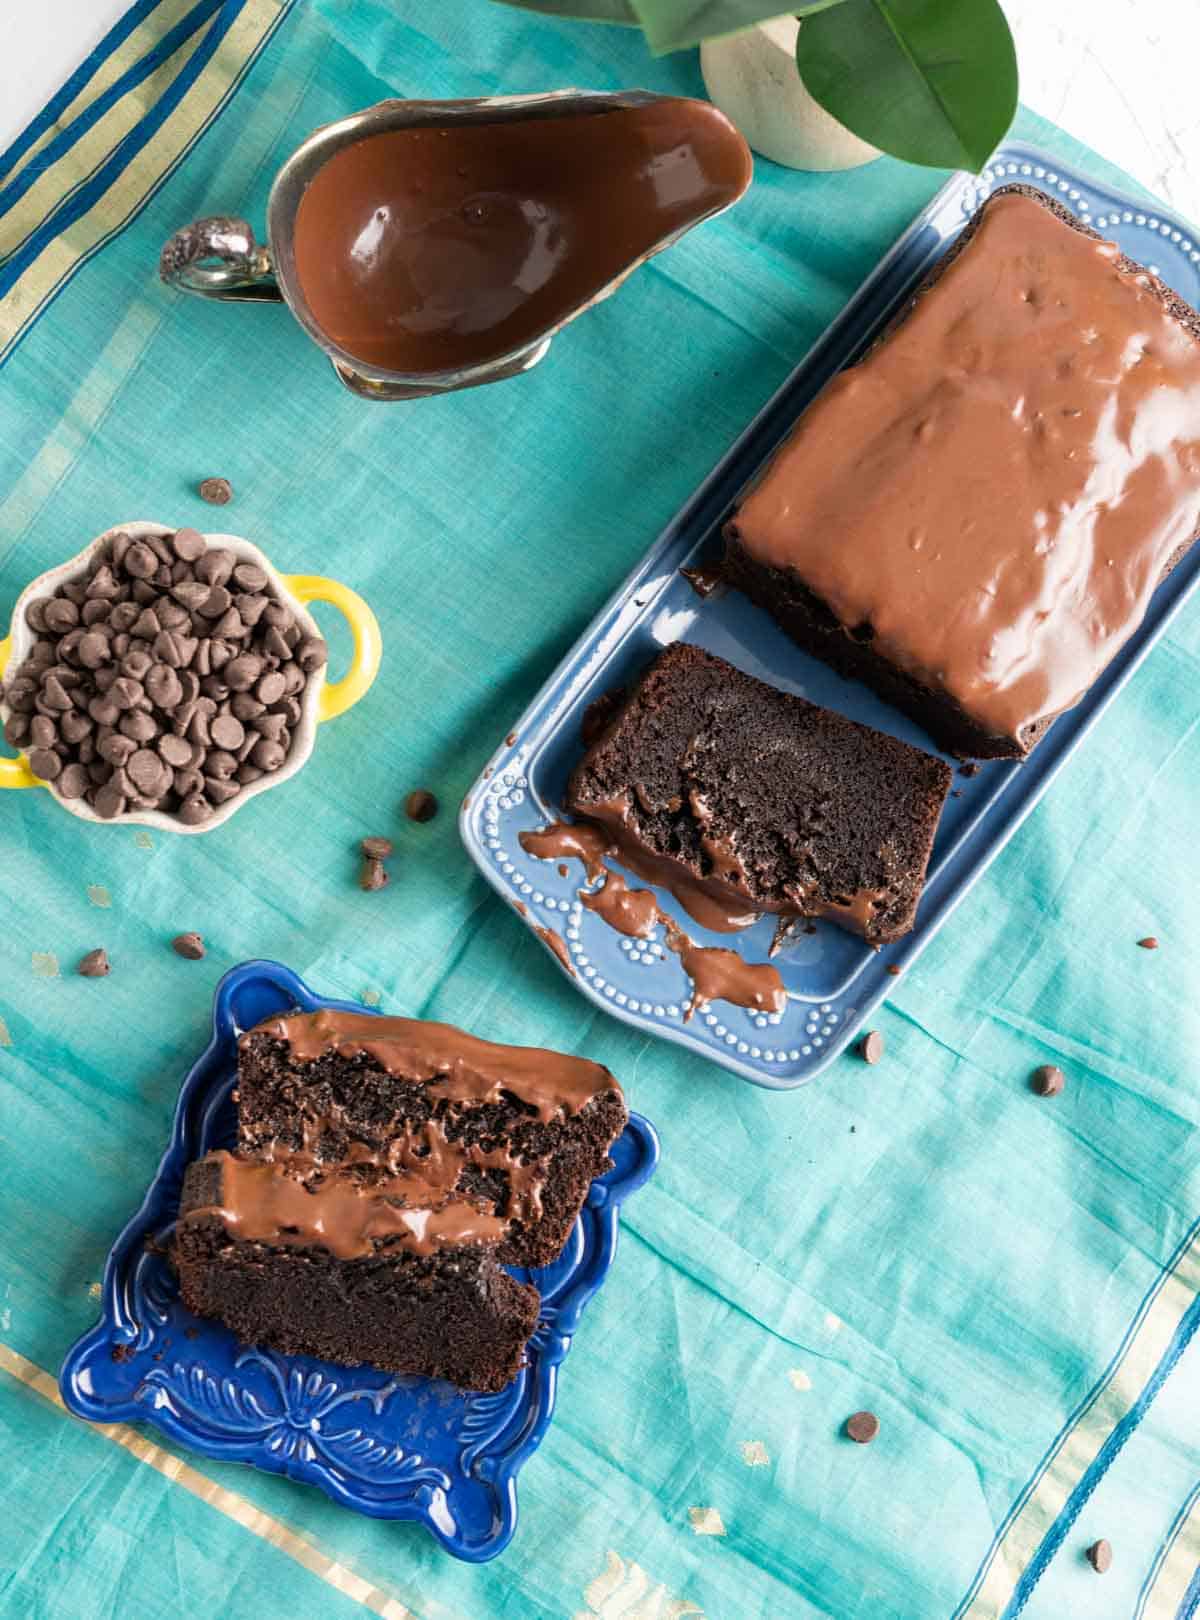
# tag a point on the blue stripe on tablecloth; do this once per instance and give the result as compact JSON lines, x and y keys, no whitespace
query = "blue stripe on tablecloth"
{"x":166,"y":47}
{"x":113,"y":40}
{"x":1074,"y":1417}
{"x":1107,"y":1454}
{"x":1160,"y":1557}
{"x":1191,"y":1599}
{"x":101,"y":181}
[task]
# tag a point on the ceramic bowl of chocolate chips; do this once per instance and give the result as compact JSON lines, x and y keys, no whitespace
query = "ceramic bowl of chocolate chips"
{"x":166,"y":677}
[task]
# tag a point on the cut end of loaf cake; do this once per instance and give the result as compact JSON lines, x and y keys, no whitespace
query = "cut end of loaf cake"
{"x":764,"y":797}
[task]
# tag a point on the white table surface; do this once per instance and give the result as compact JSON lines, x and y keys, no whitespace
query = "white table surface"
{"x":1117,"y":75}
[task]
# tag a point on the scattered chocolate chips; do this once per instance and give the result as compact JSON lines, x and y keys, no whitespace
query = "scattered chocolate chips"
{"x":894,"y":969}
{"x":971,"y":768}
{"x":1099,"y":1556}
{"x":95,"y":965}
{"x":189,"y":945}
{"x":376,"y":849}
{"x":1149,"y":943}
{"x":1048,"y":1080}
{"x":137,"y":692}
{"x":870,"y":1048}
{"x":421,"y":805}
{"x":216,"y":491}
{"x":862,"y":1427}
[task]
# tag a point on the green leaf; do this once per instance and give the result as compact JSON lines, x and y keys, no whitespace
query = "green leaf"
{"x":611,"y":11}
{"x":931,"y":81}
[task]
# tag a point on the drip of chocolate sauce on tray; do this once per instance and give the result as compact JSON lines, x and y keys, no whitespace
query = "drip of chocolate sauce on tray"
{"x":716,"y":974}
{"x":434,"y":248}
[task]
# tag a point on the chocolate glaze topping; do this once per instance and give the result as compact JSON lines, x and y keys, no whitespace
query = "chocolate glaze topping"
{"x":630,"y":911}
{"x":434,"y":248}
{"x":565,"y":840}
{"x":992,"y":495}
{"x":459,"y":1067}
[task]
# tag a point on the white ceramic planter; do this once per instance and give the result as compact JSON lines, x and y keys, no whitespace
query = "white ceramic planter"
{"x":751,"y":76}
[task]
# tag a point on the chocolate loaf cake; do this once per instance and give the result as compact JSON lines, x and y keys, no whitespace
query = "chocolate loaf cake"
{"x":761,"y":799}
{"x":314,"y":1273}
{"x":973,"y":518}
{"x":386,"y":1171}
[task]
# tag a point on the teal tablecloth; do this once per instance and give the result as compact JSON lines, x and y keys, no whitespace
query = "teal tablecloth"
{"x":1009,"y":1283}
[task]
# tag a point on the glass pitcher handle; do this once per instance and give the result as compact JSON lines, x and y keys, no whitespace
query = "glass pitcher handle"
{"x":218,"y":257}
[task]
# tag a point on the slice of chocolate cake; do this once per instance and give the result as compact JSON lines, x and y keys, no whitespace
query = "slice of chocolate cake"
{"x":328,"y":1084}
{"x":974,"y":517}
{"x":335,"y":1269}
{"x":387,"y":1169}
{"x":761,"y":800}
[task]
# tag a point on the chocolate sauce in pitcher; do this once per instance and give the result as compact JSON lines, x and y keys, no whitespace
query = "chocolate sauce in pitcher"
{"x":439,"y":247}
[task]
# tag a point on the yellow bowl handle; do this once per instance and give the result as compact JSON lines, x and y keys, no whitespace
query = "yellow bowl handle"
{"x":14,"y":773}
{"x":338,"y":696}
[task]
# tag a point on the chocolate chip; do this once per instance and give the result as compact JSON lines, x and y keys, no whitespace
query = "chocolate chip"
{"x":163,"y":686}
{"x":894,"y":969}
{"x":104,"y":711}
{"x":137,"y":664}
{"x":174,"y":750}
{"x":251,"y":608}
{"x":75,"y":726}
{"x":373,"y":876}
{"x":188,"y":544}
{"x":1100,"y":1556}
{"x":44,"y":763}
{"x":95,"y":965}
{"x":376,"y":849}
{"x":189,"y":945}
{"x":216,"y":491}
{"x":143,"y":592}
{"x":73,"y":782}
{"x":216,"y":604}
{"x":148,"y":773}
{"x":229,"y":627}
{"x":215,"y":566}
{"x":43,"y":733}
{"x":249,"y":773}
{"x":420,"y":805}
{"x":35,"y":614}
{"x":870,"y":1048}
{"x":267,"y":754}
{"x":1149,"y":943}
{"x":54,"y":693}
{"x":246,"y":708}
{"x":108,"y":802}
{"x":191,"y":593}
{"x":139,"y":725}
{"x":116,"y":748}
{"x":60,"y":615}
{"x":271,"y":687}
{"x":312,"y":654}
{"x":127,"y":693}
{"x":102,"y":584}
{"x":250,"y":577}
{"x":1048,"y":1080}
{"x":140,"y":562}
{"x":16,"y":729}
{"x":188,"y":782}
{"x":274,"y":644}
{"x":93,"y":650}
{"x":96,"y":612}
{"x":862,"y":1427}
{"x":195,"y":810}
{"x":123,"y":617}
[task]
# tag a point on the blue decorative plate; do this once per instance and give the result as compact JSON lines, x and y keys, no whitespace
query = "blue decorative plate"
{"x":393,"y":1447}
{"x":833,"y":980}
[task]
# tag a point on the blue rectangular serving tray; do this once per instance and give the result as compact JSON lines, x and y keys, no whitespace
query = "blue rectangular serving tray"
{"x":387,"y":1445}
{"x":833,"y":980}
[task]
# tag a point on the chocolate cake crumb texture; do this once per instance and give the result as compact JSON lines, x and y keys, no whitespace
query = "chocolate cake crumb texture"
{"x":761,"y":800}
